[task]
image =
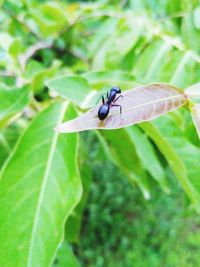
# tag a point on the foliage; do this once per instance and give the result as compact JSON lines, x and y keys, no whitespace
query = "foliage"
{"x":143,"y":233}
{"x":93,"y":45}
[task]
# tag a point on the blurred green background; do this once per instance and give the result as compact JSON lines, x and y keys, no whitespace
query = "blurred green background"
{"x":125,"y":43}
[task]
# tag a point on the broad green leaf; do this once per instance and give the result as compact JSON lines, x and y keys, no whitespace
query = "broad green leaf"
{"x":148,"y":156}
{"x":124,"y":155}
{"x":196,"y":117}
{"x":74,"y":88}
{"x":182,"y":156}
{"x":139,"y":104}
{"x":100,"y":78}
{"x":39,"y":187}
{"x":12,"y":100}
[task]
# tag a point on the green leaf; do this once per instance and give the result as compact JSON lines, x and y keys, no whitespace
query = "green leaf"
{"x":12,"y":101}
{"x":124,"y":155}
{"x":73,"y":224}
{"x":66,"y":257}
{"x":50,"y":17}
{"x":39,"y":188}
{"x":8,"y":137}
{"x":101,"y":78}
{"x":105,"y":30}
{"x":73,"y":88}
{"x":16,"y":47}
{"x":182,"y":156}
{"x":148,"y":156}
{"x":39,"y":79}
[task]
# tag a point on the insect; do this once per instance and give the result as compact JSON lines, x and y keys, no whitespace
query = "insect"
{"x":110,"y":102}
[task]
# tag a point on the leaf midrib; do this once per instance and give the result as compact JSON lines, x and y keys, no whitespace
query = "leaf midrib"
{"x":43,"y":186}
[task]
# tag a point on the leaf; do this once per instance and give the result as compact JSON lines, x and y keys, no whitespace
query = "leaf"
{"x":196,"y":117}
{"x":143,"y":103}
{"x":148,"y":156}
{"x":73,"y":88}
{"x":182,"y":156}
{"x":99,"y":38}
{"x":100,"y":78}
{"x":39,"y":188}
{"x":8,"y":138}
{"x":124,"y":155}
{"x":12,"y":100}
{"x":73,"y":224}
{"x":50,"y":18}
{"x":193,"y":91}
{"x":66,"y":257}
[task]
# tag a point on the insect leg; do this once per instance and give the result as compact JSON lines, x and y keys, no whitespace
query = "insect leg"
{"x":117,"y":98}
{"x":117,"y":106}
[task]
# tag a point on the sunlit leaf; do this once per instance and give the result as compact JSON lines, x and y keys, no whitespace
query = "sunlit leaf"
{"x":73,"y":88}
{"x":193,"y":91}
{"x":41,"y":183}
{"x":119,"y":78}
{"x":196,"y":117}
{"x":143,"y":103}
{"x":12,"y":100}
{"x":8,"y":137}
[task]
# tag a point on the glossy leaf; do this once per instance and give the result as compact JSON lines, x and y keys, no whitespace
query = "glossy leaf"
{"x":12,"y":101}
{"x":140,"y":104}
{"x":196,"y":117}
{"x":37,"y":197}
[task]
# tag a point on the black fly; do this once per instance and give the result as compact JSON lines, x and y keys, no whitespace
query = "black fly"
{"x":110,"y":102}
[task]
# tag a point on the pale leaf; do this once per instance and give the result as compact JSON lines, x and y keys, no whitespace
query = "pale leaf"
{"x":193,"y":91}
{"x":140,"y":104}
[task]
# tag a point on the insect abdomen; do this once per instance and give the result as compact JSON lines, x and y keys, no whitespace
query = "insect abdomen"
{"x":103,"y":112}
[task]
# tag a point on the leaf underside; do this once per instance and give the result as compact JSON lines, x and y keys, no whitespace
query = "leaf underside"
{"x":140,"y":104}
